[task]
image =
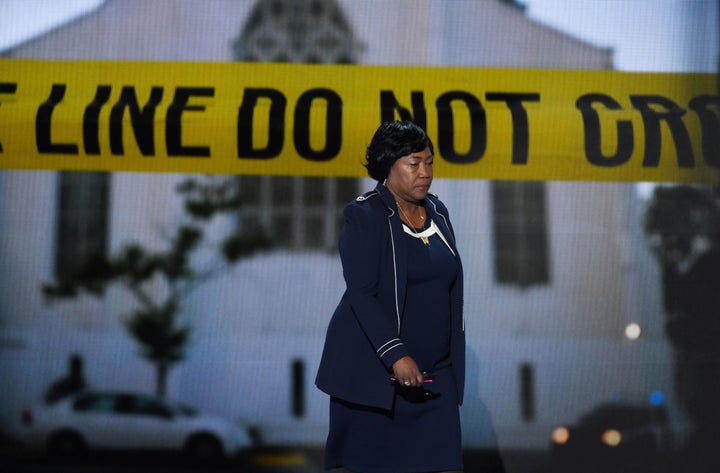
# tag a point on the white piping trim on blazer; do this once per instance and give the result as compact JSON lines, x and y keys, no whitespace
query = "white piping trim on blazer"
{"x":399,"y":342}
{"x":392,"y":240}
{"x":364,"y":197}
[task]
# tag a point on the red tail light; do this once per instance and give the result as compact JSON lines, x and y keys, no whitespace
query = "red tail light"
{"x":26,"y":417}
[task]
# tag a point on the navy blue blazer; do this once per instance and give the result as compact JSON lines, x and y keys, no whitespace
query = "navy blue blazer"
{"x":364,"y":335}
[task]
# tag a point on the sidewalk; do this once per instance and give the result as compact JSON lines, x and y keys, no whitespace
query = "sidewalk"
{"x":270,"y":459}
{"x":310,"y":460}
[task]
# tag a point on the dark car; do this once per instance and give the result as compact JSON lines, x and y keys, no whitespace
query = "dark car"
{"x":616,"y":436}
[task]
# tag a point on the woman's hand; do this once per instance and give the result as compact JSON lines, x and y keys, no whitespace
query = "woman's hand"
{"x":407,"y":372}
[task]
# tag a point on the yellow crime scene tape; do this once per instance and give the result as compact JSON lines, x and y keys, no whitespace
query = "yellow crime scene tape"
{"x":316,"y":120}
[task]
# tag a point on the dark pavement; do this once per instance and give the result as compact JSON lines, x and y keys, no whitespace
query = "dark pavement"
{"x":14,"y":459}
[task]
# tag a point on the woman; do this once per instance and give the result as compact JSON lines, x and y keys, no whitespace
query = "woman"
{"x":394,"y":356}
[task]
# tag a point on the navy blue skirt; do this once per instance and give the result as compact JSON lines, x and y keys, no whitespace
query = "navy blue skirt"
{"x":420,"y":434}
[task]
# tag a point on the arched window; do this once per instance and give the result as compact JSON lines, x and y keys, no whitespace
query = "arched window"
{"x":297,"y":212}
{"x":300,"y":31}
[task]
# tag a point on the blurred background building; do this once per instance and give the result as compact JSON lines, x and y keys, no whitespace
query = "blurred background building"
{"x":563,"y":301}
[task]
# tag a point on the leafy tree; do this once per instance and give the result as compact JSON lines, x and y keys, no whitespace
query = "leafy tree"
{"x":159,"y":281}
{"x":682,"y":225}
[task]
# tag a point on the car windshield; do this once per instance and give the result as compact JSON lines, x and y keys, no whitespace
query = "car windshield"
{"x":95,"y":403}
{"x":128,"y":404}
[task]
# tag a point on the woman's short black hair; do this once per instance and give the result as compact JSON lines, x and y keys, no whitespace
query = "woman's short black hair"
{"x":392,"y":141}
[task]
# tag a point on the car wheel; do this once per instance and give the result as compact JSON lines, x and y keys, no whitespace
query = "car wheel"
{"x":66,"y":444}
{"x":204,"y":447}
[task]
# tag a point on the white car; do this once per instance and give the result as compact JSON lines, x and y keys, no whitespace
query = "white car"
{"x":99,"y":420}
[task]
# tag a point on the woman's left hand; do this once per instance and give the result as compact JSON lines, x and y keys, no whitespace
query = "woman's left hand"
{"x":407,"y":372}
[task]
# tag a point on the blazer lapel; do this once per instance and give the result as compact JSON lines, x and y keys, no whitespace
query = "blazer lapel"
{"x":441,"y":221}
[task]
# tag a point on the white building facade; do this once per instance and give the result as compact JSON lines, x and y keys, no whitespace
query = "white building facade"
{"x":545,"y":314}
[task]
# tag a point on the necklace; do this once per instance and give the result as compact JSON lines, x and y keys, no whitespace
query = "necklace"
{"x":412,"y":227}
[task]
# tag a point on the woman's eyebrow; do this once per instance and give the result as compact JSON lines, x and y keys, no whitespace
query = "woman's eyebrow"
{"x":418,"y":156}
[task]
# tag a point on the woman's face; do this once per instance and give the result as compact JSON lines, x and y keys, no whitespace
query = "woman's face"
{"x":410,"y":177}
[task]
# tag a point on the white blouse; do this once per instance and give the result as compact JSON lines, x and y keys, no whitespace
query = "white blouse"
{"x":427,"y":233}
